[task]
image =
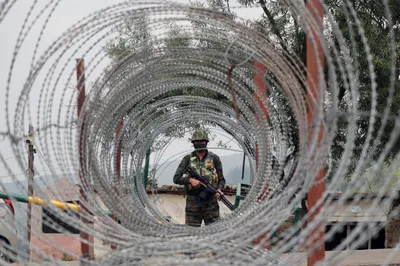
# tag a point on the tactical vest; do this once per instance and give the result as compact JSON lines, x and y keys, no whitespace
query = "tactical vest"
{"x":205,"y":168}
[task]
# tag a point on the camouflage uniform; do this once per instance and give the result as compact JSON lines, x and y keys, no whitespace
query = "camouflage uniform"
{"x":211,"y":168}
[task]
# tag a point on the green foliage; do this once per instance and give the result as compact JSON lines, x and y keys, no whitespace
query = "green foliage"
{"x":284,"y":25}
{"x":374,"y":181}
{"x":67,"y":257}
{"x":135,"y":32}
{"x":182,"y":41}
{"x":132,"y":32}
{"x":375,"y":24}
{"x":279,"y":20}
{"x":152,"y":181}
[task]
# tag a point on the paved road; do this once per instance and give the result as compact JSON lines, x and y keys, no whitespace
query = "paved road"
{"x":374,"y":257}
{"x":66,"y":263}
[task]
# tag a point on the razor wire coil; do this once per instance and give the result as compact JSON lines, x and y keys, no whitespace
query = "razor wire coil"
{"x":148,"y":88}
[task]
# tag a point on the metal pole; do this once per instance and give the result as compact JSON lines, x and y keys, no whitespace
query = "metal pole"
{"x":17,"y":197}
{"x":260,"y":93}
{"x":315,"y":62}
{"x":31,"y":172}
{"x":40,"y":202}
{"x":117,"y":165}
{"x":119,"y":151}
{"x":243,"y":164}
{"x":260,"y":97}
{"x":87,"y":245}
{"x":146,"y":169}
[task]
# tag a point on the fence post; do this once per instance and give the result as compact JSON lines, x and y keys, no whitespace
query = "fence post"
{"x":315,"y":62}
{"x":87,"y":240}
{"x":114,"y":246}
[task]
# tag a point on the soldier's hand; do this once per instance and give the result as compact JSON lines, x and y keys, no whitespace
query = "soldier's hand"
{"x":219,"y":194}
{"x":194,"y":182}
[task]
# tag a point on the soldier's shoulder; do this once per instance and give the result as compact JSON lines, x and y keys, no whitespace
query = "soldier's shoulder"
{"x":216,"y":157}
{"x":186,"y":157}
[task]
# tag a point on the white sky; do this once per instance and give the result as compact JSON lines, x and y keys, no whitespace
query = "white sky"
{"x":66,"y":13}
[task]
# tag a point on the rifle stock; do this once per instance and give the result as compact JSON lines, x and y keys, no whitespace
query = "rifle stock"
{"x":210,"y":188}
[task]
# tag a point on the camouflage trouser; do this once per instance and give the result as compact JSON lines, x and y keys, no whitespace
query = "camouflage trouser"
{"x":196,"y":211}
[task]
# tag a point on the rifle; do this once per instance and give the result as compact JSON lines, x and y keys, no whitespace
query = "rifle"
{"x":208,"y":189}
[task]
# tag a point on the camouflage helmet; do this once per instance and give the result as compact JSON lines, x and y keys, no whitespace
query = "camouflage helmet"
{"x":199,"y":135}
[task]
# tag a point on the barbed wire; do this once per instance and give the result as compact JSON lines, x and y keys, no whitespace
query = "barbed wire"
{"x":173,"y":74}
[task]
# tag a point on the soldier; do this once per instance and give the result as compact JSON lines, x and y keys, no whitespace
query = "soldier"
{"x":208,"y":165}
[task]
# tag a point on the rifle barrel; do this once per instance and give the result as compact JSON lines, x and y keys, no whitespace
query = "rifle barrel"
{"x":227,"y":203}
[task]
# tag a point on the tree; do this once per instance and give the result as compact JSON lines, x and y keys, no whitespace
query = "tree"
{"x":284,"y":24}
{"x":280,"y":20}
{"x":135,"y":32}
{"x":376,"y":27}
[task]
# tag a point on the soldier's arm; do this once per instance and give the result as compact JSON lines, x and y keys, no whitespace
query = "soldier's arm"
{"x":218,"y":167}
{"x":178,"y":179}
